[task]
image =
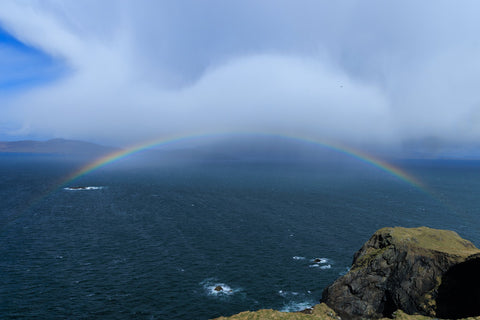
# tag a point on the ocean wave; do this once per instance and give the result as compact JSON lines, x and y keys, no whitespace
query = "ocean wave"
{"x":298,"y":258}
{"x":321,"y":263}
{"x":218,"y":289}
{"x":83,"y":188}
{"x":320,"y":260}
{"x":294,"y":306}
{"x":287,"y":294}
{"x":323,"y":267}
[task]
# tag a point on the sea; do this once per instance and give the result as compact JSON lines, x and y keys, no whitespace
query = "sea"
{"x":139,"y":239}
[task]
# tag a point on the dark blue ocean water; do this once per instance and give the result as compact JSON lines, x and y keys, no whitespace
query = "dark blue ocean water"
{"x":153,"y":241}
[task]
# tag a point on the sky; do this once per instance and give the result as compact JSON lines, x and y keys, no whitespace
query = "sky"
{"x":382,"y":73}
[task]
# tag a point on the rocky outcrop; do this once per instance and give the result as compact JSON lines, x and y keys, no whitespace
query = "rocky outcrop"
{"x":419,"y":271}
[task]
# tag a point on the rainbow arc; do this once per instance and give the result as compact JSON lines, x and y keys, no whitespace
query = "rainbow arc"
{"x":349,"y":151}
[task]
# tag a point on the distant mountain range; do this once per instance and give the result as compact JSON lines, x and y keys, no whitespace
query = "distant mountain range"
{"x":234,"y":149}
{"x":230,"y":149}
{"x":54,"y":146}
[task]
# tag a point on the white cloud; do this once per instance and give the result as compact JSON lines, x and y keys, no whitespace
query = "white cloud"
{"x":257,"y":93}
{"x":359,"y":72}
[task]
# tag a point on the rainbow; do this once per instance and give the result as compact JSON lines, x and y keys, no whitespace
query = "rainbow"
{"x":371,"y":160}
{"x":117,"y":155}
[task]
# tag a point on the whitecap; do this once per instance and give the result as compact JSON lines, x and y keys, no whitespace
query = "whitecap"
{"x":321,"y":263}
{"x":320,"y":260}
{"x":286,"y":294}
{"x":323,"y":267}
{"x":83,"y":188}
{"x":298,"y":258}
{"x":294,"y":306}
{"x":218,"y":289}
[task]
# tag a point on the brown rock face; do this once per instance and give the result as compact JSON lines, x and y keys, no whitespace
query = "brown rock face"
{"x":416,"y":270}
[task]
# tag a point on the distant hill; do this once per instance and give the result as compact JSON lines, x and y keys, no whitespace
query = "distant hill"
{"x":229,"y":148}
{"x":54,"y":146}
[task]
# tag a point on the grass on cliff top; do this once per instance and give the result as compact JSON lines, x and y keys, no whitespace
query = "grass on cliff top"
{"x":439,"y":240}
{"x":320,"y":311}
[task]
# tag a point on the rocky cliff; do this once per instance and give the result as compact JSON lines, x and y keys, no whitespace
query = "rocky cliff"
{"x":419,"y":271}
{"x":402,"y":274}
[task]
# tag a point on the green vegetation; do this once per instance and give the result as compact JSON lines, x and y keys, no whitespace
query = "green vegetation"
{"x":432,"y":239}
{"x":320,"y":311}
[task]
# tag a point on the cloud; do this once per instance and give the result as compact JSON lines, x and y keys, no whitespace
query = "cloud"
{"x":360,"y":72}
{"x":254,"y":93}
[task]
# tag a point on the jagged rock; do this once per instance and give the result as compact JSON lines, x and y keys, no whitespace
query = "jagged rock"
{"x":419,"y":270}
{"x":218,"y":288}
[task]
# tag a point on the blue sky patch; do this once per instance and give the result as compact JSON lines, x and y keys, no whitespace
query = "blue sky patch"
{"x":23,"y":66}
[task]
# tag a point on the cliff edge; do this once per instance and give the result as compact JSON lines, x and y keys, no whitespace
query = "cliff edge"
{"x":419,"y":271}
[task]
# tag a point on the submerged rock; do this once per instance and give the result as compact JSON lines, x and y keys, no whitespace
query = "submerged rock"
{"x":419,"y":270}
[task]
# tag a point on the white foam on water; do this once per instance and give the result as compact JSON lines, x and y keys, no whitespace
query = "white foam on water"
{"x":218,"y":289}
{"x":323,"y":267}
{"x":298,"y":258}
{"x":83,"y":188}
{"x":320,"y":263}
{"x":294,"y":306}
{"x":286,"y":294}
